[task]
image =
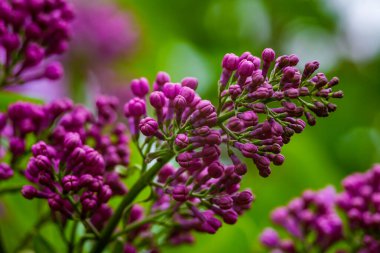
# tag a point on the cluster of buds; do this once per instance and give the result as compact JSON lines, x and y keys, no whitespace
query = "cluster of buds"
{"x":360,"y":201}
{"x":249,"y":91}
{"x":311,"y":222}
{"x":314,"y":224}
{"x":31,"y":31}
{"x":203,"y":190}
{"x":72,"y":181}
{"x":52,"y":123}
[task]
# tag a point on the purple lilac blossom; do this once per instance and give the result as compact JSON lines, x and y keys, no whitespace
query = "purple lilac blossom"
{"x":202,"y":190}
{"x":53,"y":122}
{"x":310,"y":220}
{"x":33,"y":31}
{"x":313,"y":222}
{"x":360,"y":202}
{"x":101,"y":33}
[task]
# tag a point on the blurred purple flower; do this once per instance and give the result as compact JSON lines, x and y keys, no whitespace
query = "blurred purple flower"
{"x":101,"y":32}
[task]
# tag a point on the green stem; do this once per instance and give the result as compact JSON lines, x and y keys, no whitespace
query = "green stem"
{"x":11,"y":189}
{"x":71,"y":244}
{"x":139,"y":223}
{"x":143,"y":181}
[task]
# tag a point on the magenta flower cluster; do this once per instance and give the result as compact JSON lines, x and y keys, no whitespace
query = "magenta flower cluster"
{"x":30,"y":32}
{"x":259,"y":110}
{"x":314,"y":223}
{"x":76,"y":162}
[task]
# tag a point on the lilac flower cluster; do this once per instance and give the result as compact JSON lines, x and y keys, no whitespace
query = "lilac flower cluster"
{"x":314,"y":224}
{"x":98,"y":137}
{"x":256,"y":115}
{"x":72,"y":181}
{"x":360,"y":202}
{"x":283,"y":95}
{"x":311,"y":221}
{"x":31,"y":31}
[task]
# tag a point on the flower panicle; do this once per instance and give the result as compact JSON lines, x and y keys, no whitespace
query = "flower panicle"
{"x":259,"y":110}
{"x":31,"y":32}
{"x":313,"y":221}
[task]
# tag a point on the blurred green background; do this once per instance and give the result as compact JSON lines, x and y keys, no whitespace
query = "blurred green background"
{"x":189,"y":38}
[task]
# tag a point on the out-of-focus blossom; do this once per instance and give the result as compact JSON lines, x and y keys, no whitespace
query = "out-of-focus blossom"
{"x":101,"y":33}
{"x":314,"y":224}
{"x":30,"y":32}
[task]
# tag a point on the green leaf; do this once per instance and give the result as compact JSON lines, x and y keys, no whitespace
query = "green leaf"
{"x":7,"y":97}
{"x":41,"y":245}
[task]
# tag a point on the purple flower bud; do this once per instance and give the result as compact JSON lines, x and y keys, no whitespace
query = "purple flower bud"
{"x":140,"y":87}
{"x":244,"y":198}
{"x":34,"y":54}
{"x":269,"y":237}
{"x":72,"y":140}
{"x":291,"y":93}
{"x":29,"y":192}
{"x":129,"y":249}
{"x":10,"y":41}
{"x":165,"y":173}
{"x":180,"y":193}
{"x":137,"y":213}
{"x":148,"y":126}
{"x":250,"y":118}
{"x":171,"y":90}
{"x":230,"y":217}
{"x":268,"y":55}
{"x":245,"y":68}
{"x":179,"y":103}
{"x":230,"y":62}
{"x":70,"y":183}
{"x":211,"y":224}
{"x":337,"y":94}
{"x":293,"y":60}
{"x":279,"y":215}
{"x":136,"y":108}
{"x":215,"y":169}
{"x":55,"y":203}
{"x":17,"y":146}
{"x":5,"y":171}
{"x":190,"y":82}
{"x":54,"y":71}
{"x":157,"y":99}
{"x":205,"y":107}
{"x":185,"y":159}
{"x":224,"y":202}
{"x":278,"y":159}
{"x":181,"y":140}
{"x":334,"y":81}
{"x":162,"y":78}
{"x":234,"y":91}
{"x":89,"y":201}
{"x":188,"y":94}
{"x":247,"y":149}
{"x":105,"y":194}
{"x":241,"y":169}
{"x":310,"y":68}
{"x":94,"y":162}
{"x":76,"y":158}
